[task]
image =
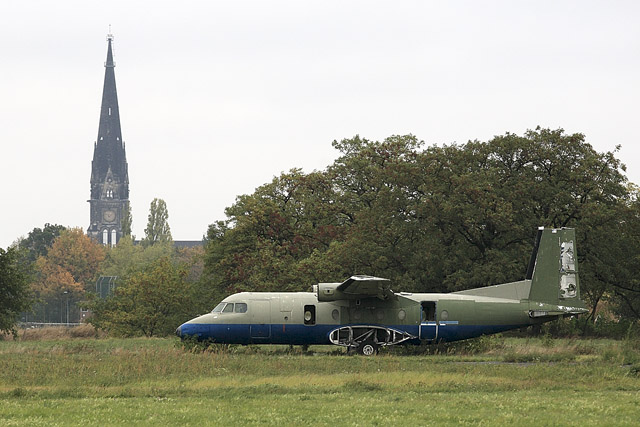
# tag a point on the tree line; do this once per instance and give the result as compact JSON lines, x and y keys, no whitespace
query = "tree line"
{"x":430,"y":218}
{"x":51,"y":274}
{"x":435,"y":218}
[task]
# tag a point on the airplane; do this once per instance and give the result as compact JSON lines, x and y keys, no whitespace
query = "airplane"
{"x":363,"y":314}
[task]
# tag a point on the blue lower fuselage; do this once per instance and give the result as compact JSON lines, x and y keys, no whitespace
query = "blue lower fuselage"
{"x":319,"y":334}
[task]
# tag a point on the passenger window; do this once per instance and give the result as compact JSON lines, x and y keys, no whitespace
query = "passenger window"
{"x":309,"y":314}
{"x":228,"y":308}
{"x":241,"y":307}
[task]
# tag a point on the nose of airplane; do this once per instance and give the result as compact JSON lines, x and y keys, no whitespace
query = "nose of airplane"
{"x":197,"y":330}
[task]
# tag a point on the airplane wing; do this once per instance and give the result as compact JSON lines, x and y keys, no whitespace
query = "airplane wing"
{"x":366,"y":286}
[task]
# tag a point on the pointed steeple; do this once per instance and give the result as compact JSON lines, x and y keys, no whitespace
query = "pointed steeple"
{"x":109,"y":169}
{"x":109,"y":151}
{"x":109,"y":112}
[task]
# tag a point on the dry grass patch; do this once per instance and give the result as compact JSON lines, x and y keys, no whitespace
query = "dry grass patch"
{"x":59,"y":333}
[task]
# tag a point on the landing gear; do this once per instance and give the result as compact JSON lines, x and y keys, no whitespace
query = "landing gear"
{"x":368,"y":348}
{"x":367,"y":339}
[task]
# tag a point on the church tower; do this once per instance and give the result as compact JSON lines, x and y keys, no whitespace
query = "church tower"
{"x":109,"y":171}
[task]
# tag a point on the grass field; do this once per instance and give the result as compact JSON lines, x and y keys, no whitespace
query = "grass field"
{"x":491,"y":381}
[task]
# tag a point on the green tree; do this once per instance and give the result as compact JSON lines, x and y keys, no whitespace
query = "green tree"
{"x":15,"y":297}
{"x":157,"y":226}
{"x":620,"y":261}
{"x":493,"y":194}
{"x":39,"y":240}
{"x":263,"y":244}
{"x":127,"y":258}
{"x":126,"y":219}
{"x":377,"y":188}
{"x":150,"y":303}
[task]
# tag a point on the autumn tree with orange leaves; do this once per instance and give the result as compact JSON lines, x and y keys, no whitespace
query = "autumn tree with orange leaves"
{"x":68,"y":270}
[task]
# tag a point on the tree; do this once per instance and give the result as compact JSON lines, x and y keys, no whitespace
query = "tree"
{"x":68,"y":269}
{"x":151,"y":302}
{"x":495,"y":193}
{"x":15,"y":297}
{"x":127,"y":258}
{"x":38,"y":242}
{"x":128,"y":262}
{"x":126,"y":219}
{"x":377,"y":186}
{"x":75,"y":256}
{"x":157,"y":226}
{"x":620,"y":264}
{"x":269,"y":234}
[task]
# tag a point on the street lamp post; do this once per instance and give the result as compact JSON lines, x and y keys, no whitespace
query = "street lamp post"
{"x":67,"y":294}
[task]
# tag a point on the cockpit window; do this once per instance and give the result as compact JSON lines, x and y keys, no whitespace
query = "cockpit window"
{"x":228,"y":307}
{"x":219,"y":307}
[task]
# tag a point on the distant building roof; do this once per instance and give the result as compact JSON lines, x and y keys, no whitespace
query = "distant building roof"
{"x":187,"y":243}
{"x":181,"y":243}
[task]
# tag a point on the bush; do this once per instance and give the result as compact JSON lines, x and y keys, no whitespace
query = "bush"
{"x":482,"y":344}
{"x":583,"y":327}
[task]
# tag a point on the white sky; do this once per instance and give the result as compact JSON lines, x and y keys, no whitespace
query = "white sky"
{"x":216,"y":98}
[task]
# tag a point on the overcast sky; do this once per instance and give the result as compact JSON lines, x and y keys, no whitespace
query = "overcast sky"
{"x":216,"y":98}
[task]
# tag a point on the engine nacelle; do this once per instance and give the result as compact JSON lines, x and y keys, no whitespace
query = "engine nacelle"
{"x":329,"y":292}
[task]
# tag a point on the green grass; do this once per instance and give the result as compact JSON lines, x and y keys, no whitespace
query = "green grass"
{"x":154,"y":381}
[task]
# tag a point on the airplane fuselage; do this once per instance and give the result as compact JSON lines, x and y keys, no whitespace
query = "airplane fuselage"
{"x":300,"y":319}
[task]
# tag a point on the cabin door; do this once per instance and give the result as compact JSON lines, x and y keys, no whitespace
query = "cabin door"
{"x":428,"y":323}
{"x":260,"y":319}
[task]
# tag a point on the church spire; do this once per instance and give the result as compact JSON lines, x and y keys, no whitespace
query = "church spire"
{"x":109,"y":169}
{"x":109,"y":132}
{"x":109,"y":62}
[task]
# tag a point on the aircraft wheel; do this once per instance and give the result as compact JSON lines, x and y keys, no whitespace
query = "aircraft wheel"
{"x":368,"y":348}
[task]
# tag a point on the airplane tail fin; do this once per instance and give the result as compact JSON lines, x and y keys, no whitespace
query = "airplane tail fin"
{"x":553,"y":270}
